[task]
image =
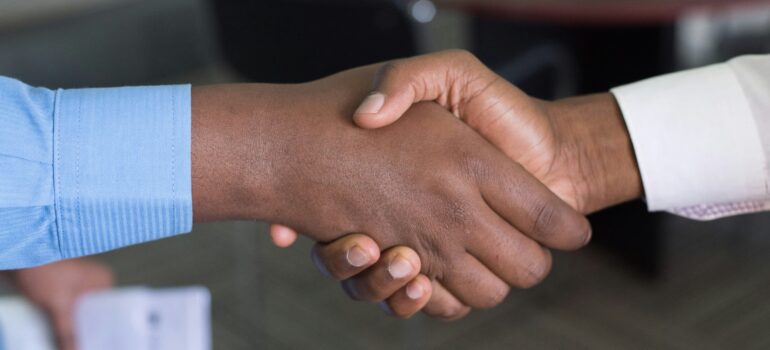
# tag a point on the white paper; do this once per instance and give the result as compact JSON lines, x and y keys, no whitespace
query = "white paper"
{"x":119,"y":319}
{"x":145,"y":319}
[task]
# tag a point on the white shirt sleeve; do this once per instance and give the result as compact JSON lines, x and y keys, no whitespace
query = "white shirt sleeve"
{"x":702,"y":137}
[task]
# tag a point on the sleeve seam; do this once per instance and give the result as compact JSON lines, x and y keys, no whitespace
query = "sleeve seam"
{"x":57,"y":173}
{"x":78,"y":146}
{"x":173,"y":152}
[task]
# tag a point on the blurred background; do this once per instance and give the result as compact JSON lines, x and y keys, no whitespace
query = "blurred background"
{"x":647,"y":281}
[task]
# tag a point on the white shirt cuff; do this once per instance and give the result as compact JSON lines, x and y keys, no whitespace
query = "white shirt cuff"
{"x":695,"y":138}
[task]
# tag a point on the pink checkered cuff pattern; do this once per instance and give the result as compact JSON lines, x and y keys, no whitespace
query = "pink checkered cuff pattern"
{"x":705,"y":212}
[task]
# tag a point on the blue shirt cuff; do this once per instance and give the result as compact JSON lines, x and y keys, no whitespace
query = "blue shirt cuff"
{"x":122,"y":172}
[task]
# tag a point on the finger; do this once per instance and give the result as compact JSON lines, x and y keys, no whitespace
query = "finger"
{"x":447,"y":77}
{"x":443,"y":305}
{"x":62,"y":320}
{"x":474,"y":284}
{"x":396,"y":267}
{"x":409,"y":300}
{"x":535,"y":211}
{"x":515,"y":258}
{"x":282,"y":236}
{"x":347,"y":256}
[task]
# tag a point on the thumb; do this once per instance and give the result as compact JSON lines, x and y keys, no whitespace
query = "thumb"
{"x":400,"y":84}
{"x":391,"y":98}
{"x":450,"y":78}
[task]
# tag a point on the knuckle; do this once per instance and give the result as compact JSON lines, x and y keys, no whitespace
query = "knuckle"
{"x":448,"y":228}
{"x":544,"y":218}
{"x":368,"y":290}
{"x":389,"y":70}
{"x":459,"y":214}
{"x":434,"y":263}
{"x":434,"y":251}
{"x":462,"y":54}
{"x":478,"y":170}
{"x":467,"y":59}
{"x":558,"y":226}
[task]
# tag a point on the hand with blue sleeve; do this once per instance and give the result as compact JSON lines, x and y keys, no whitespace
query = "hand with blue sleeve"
{"x":91,"y":170}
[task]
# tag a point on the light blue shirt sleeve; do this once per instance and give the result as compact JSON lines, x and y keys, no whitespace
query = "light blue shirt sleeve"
{"x":85,"y":171}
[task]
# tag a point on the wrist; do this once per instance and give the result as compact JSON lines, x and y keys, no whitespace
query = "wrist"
{"x":595,"y":143}
{"x":232,"y":147}
{"x":247,"y":139}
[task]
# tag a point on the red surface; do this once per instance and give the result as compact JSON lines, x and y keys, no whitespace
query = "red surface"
{"x":594,"y":11}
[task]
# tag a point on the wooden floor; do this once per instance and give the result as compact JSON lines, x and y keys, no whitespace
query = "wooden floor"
{"x":713,"y":296}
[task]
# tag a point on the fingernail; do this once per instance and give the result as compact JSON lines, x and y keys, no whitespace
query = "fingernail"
{"x":414,"y":291}
{"x":399,"y":268}
{"x":357,"y":256}
{"x":372,"y":104}
{"x":588,"y":236}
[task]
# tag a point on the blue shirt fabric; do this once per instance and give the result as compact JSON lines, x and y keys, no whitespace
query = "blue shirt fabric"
{"x":84,"y":171}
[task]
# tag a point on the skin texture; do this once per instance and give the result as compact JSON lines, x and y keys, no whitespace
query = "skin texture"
{"x":578,"y":147}
{"x":55,"y":288}
{"x":290,"y":154}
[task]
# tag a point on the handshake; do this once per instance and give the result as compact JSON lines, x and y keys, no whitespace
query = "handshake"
{"x":447,"y":188}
